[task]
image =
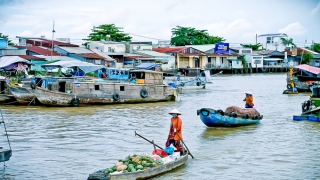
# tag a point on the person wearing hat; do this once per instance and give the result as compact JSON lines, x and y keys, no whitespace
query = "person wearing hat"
{"x":175,"y":129}
{"x":249,"y":100}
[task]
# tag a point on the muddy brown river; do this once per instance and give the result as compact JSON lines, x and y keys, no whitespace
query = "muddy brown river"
{"x":70,"y":143}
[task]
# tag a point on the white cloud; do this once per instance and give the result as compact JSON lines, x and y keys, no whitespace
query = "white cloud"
{"x":316,"y":9}
{"x":237,"y":30}
{"x":294,"y":29}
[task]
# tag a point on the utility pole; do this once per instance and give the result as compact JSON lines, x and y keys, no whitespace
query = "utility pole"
{"x":53,"y":31}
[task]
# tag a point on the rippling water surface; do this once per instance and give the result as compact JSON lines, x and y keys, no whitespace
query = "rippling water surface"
{"x":70,"y":143}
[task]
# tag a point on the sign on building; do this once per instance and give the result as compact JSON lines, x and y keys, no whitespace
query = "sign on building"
{"x":221,"y":48}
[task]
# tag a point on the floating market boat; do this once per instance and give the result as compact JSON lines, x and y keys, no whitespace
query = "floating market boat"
{"x":310,"y":108}
{"x":144,"y":86}
{"x":233,"y":116}
{"x":140,"y":174}
{"x":305,"y":77}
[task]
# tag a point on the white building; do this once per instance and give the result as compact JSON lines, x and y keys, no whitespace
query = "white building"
{"x":272,"y":41}
{"x":254,"y":60}
{"x":108,"y":46}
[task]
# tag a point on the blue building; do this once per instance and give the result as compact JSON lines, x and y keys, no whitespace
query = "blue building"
{"x":3,"y":43}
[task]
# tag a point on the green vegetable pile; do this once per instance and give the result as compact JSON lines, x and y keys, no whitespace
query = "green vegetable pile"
{"x":134,"y":163}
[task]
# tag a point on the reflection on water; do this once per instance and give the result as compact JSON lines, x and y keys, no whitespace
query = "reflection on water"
{"x":69,"y":143}
{"x":214,"y":133}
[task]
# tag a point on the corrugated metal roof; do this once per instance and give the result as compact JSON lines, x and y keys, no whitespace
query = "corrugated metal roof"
{"x":76,"y":50}
{"x":31,"y":57}
{"x":214,"y":54}
{"x":151,"y":53}
{"x":91,"y":55}
{"x":39,"y":50}
{"x":170,"y":49}
{"x":103,"y":54}
{"x":272,"y":35}
{"x":60,"y":58}
{"x":203,"y":48}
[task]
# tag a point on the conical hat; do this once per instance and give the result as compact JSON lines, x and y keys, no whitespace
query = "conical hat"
{"x":248,"y":92}
{"x":175,"y":111}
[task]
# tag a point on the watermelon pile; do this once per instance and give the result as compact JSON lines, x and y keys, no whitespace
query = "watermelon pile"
{"x":134,"y":163}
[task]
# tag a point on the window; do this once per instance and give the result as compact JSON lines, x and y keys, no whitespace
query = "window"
{"x":121,"y":88}
{"x":257,"y":62}
{"x":96,"y":87}
{"x":246,"y":51}
{"x":269,"y":40}
{"x":109,"y":49}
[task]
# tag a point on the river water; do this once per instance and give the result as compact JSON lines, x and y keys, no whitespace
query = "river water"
{"x":70,"y":143}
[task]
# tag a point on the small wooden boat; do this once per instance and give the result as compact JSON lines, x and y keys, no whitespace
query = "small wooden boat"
{"x":5,"y":154}
{"x":217,"y":118}
{"x":145,"y":174}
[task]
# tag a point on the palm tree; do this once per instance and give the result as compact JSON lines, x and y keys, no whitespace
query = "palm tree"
{"x":287,"y":42}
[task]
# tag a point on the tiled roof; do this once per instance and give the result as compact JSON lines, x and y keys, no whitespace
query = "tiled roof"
{"x":170,"y":49}
{"x":59,"y":43}
{"x":39,"y":50}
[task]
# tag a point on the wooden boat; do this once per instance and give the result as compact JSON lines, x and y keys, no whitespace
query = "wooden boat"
{"x":5,"y":154}
{"x":22,"y":94}
{"x":5,"y":92}
{"x":147,"y":86}
{"x":217,"y":118}
{"x":145,"y":174}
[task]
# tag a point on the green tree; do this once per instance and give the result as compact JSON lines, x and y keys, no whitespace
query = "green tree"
{"x":10,"y":43}
{"x":287,"y":42}
{"x":306,"y":58}
{"x":100,"y":33}
{"x":315,"y":47}
{"x":255,"y":47}
{"x":182,"y":36}
{"x":242,"y":58}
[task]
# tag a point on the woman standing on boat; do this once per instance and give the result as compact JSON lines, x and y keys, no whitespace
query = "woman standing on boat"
{"x":175,"y":132}
{"x":249,"y":100}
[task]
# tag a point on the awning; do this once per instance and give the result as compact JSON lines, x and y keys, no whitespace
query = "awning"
{"x":147,"y":65}
{"x":308,"y":68}
{"x":84,"y":66}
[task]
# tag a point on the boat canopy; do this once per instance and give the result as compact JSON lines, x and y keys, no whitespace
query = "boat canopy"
{"x":13,"y":62}
{"x":84,"y":66}
{"x":308,"y":68}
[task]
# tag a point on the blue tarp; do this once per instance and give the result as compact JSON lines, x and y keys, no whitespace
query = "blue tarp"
{"x":147,"y":65}
{"x":84,"y":66}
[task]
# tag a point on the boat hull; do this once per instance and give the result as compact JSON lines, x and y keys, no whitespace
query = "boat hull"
{"x":5,"y":155}
{"x":22,"y":95}
{"x":106,"y":95}
{"x":211,"y":118}
{"x":146,"y":174}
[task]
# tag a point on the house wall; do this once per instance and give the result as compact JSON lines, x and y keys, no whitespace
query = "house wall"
{"x":117,"y":48}
{"x":236,"y":64}
{"x":271,"y":44}
{"x":12,"y":52}
{"x":137,"y":47}
{"x":251,"y":60}
{"x":3,"y":43}
{"x":37,"y":66}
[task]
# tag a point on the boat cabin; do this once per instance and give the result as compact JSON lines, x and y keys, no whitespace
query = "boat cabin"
{"x":146,"y":77}
{"x":114,"y":73}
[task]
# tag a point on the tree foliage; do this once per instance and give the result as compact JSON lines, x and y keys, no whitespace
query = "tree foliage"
{"x":255,"y":47}
{"x":287,"y":42}
{"x":243,"y":60}
{"x":10,"y":43}
{"x":115,"y":33}
{"x":306,"y":58}
{"x":315,"y":47}
{"x":190,"y":36}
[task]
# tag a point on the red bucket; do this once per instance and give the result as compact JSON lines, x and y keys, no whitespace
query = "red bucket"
{"x":160,"y":153}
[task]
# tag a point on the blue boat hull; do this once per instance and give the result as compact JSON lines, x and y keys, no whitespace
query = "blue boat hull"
{"x":306,"y":118}
{"x":211,"y":118}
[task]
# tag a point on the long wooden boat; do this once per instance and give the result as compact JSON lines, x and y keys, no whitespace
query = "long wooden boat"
{"x":216,"y":118}
{"x":22,"y":94}
{"x":147,"y":87}
{"x":145,"y":174}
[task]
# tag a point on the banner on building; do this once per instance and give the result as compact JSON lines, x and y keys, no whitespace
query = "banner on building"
{"x":221,"y":48}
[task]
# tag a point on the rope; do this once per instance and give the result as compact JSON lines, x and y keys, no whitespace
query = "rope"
{"x":5,"y":128}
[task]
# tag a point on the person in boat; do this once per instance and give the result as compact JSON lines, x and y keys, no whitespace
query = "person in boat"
{"x":175,"y":129}
{"x":249,"y":100}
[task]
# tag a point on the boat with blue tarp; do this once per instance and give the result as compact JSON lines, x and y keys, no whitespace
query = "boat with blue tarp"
{"x":233,"y":116}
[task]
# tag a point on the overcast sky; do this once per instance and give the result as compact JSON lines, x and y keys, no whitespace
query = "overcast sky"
{"x":236,"y":20}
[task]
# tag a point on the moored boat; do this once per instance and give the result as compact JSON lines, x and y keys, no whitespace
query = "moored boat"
{"x":145,"y":86}
{"x":142,"y":174}
{"x":233,"y":116}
